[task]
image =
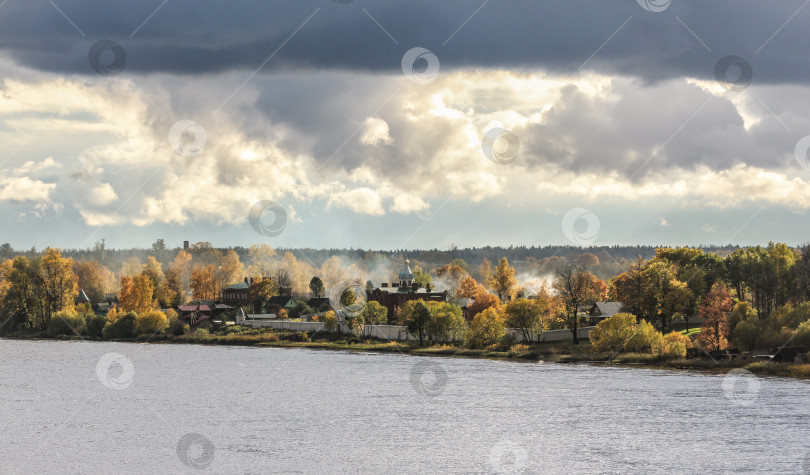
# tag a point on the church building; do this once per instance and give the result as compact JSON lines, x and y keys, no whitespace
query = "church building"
{"x":403,"y":290}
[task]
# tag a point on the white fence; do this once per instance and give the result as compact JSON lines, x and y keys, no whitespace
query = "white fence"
{"x":394,"y":332}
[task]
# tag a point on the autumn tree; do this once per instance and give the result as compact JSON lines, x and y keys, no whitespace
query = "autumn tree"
{"x":23,"y":300}
{"x":136,"y":293}
{"x":503,"y":280}
{"x":574,"y":285}
{"x":260,"y":290}
{"x":204,"y":283}
{"x":91,"y":279}
{"x":316,"y":287}
{"x":262,"y":259}
{"x":485,"y":270}
{"x":59,"y":285}
{"x":714,"y":332}
{"x":231,"y":269}
{"x":487,"y":328}
{"x":450,"y":275}
{"x":182,"y":266}
{"x":132,"y":266}
{"x":526,"y":316}
{"x":467,"y":288}
{"x":482,"y":300}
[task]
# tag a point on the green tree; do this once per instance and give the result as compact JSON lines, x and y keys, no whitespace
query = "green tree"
{"x":348,"y":298}
{"x":418,"y":321}
{"x":375,"y":314}
{"x":421,"y":277}
{"x":316,"y":287}
{"x":446,"y":322}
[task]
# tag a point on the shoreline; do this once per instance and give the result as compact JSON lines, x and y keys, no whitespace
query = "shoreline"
{"x":538,"y":353}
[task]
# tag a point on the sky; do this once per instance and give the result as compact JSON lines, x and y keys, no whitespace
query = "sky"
{"x":402,"y":125}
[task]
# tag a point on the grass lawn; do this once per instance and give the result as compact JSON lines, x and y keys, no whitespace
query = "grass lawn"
{"x":692,"y":332}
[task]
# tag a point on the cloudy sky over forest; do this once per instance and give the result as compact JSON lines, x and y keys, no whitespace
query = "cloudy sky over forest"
{"x":352,"y":123}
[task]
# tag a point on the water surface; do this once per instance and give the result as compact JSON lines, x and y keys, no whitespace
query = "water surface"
{"x":265,"y":410}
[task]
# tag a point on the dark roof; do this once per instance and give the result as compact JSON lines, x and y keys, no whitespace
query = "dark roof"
{"x":606,"y":309}
{"x":82,"y":297}
{"x":194,"y":308}
{"x":282,"y":300}
{"x":239,"y":286}
{"x":319,"y":302}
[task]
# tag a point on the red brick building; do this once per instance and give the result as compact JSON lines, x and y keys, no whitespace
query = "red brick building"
{"x":403,"y":290}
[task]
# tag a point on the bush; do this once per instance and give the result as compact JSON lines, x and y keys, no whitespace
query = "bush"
{"x":802,"y":336}
{"x":330,"y":322}
{"x":612,"y":334}
{"x":123,"y":327}
{"x":152,"y":322}
{"x":747,"y":333}
{"x":646,"y":340}
{"x":178,"y":327}
{"x":518,"y":349}
{"x":675,"y":345}
{"x":95,"y":325}
{"x":66,"y":322}
{"x":486,"y":329}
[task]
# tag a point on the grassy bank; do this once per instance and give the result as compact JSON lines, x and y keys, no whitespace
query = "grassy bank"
{"x":556,"y":352}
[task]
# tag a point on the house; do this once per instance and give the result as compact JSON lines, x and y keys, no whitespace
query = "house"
{"x":320,"y":304}
{"x":81,"y":298}
{"x":110,"y":301}
{"x":197,"y":310}
{"x":287,"y":302}
{"x":602,"y":310}
{"x":401,"y":291}
{"x":237,"y":295}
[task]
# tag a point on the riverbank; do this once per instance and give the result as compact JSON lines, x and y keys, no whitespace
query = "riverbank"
{"x":556,"y":352}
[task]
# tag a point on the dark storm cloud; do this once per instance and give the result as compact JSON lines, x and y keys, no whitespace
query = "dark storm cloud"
{"x":190,"y":37}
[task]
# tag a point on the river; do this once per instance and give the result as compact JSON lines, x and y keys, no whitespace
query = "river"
{"x":87,"y":407}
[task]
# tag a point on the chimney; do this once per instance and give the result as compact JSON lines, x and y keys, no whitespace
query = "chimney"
{"x":246,"y":280}
{"x":251,"y":280}
{"x":185,"y":245}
